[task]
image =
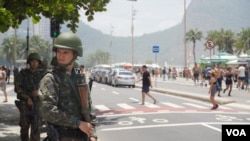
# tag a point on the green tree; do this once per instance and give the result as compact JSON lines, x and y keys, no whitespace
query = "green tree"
{"x":41,"y":46}
{"x":192,"y":36}
{"x":243,"y":42}
{"x":7,"y":48}
{"x":13,"y":12}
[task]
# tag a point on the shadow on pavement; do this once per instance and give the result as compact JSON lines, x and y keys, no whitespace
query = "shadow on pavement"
{"x":9,"y":118}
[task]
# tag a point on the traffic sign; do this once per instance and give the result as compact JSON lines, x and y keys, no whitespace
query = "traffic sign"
{"x":156,"y":49}
{"x":210,"y":44}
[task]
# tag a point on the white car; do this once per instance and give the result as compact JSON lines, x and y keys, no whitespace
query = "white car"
{"x":121,"y":77}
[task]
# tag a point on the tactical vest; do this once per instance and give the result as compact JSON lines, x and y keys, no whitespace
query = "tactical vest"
{"x":30,"y":81}
{"x":68,"y":97}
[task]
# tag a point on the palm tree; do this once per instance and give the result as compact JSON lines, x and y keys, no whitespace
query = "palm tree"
{"x":216,"y":37}
{"x":224,"y":39}
{"x":41,"y":46}
{"x":8,"y":47}
{"x":243,"y":42}
{"x":192,"y":36}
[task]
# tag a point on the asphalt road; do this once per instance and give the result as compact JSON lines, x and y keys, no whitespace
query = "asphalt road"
{"x":121,"y":117}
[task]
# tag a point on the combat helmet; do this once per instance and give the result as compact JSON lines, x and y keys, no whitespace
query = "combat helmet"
{"x":68,"y":40}
{"x":33,"y":56}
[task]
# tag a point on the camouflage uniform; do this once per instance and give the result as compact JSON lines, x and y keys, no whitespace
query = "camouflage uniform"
{"x":26,"y":82}
{"x":61,"y":105}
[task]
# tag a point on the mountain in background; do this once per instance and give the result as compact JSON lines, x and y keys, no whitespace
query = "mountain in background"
{"x":203,"y":15}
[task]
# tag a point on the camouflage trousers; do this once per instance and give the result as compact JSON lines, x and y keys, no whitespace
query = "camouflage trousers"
{"x":27,"y":123}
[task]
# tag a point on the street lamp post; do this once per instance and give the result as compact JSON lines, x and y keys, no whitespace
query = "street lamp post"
{"x":132,"y":36}
{"x":111,"y":33}
{"x":185,"y":46}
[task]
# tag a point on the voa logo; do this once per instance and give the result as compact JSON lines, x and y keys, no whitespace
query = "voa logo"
{"x":236,"y":132}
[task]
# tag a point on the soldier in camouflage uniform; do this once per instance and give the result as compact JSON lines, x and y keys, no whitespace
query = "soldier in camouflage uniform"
{"x":26,"y":88}
{"x":61,"y":106}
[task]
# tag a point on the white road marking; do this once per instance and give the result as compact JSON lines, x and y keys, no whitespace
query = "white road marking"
{"x":133,"y":99}
{"x":150,"y":105}
{"x":172,"y":105}
{"x":113,"y":92}
{"x":238,"y":105}
{"x":194,"y":105}
{"x":172,"y":125}
{"x":125,"y":106}
{"x":101,"y":107}
{"x":211,"y":127}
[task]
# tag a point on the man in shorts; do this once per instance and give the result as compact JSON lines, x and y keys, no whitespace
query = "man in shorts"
{"x":196,"y":72}
{"x":146,"y":83}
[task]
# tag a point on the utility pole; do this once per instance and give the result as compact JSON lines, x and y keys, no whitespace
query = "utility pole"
{"x":184,"y":40}
{"x":132,"y":36}
{"x":111,"y":33}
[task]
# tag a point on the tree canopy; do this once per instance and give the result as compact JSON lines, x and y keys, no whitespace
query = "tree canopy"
{"x":13,"y":12}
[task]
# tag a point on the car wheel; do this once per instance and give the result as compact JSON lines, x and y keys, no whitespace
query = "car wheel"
{"x":133,"y":86}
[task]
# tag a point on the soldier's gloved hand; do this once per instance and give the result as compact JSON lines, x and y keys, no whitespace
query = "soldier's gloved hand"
{"x":30,"y":103}
{"x":34,"y":93}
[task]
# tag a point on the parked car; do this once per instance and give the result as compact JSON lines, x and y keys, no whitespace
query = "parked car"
{"x":97,"y":75}
{"x":121,"y":77}
{"x":111,"y":74}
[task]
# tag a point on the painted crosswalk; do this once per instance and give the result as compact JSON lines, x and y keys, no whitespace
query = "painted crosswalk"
{"x":121,"y":108}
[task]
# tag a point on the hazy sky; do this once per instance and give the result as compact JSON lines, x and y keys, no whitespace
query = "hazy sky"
{"x":150,"y":16}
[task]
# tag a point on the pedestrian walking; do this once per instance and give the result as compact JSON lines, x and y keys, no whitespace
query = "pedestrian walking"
{"x":219,"y":75}
{"x":241,"y":77}
{"x":212,"y":89}
{"x":164,"y":73}
{"x":229,"y":80}
{"x":3,"y":82}
{"x":26,"y":86}
{"x":65,"y":97}
{"x":196,"y":72}
{"x":7,"y":75}
{"x":146,"y":84}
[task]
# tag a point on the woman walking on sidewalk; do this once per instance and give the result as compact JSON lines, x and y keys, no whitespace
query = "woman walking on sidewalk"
{"x":3,"y":82}
{"x":229,"y":80}
{"x":146,"y":83}
{"x":212,"y":89}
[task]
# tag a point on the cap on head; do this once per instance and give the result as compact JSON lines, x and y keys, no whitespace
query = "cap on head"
{"x":69,"y":40}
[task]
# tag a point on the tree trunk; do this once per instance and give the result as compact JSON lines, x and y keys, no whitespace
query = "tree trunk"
{"x":194,"y":52}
